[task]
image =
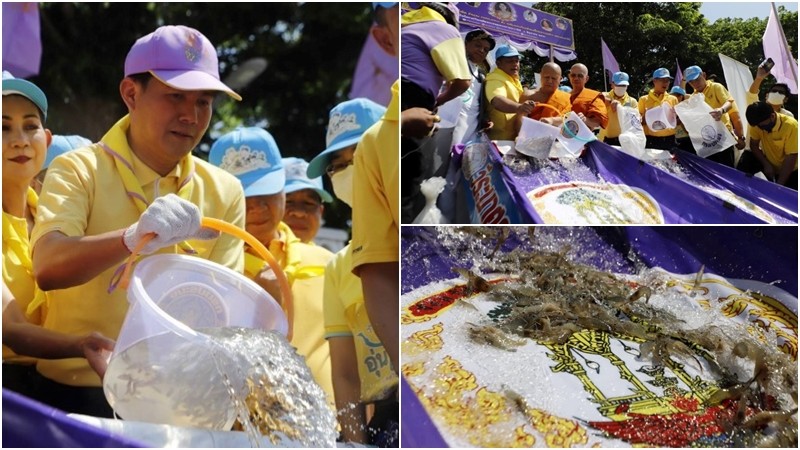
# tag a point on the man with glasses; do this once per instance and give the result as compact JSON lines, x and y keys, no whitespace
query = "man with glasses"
{"x":304,"y":200}
{"x":777,"y":96}
{"x":361,"y":369}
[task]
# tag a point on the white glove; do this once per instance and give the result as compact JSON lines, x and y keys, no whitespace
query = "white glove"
{"x":172,"y":219}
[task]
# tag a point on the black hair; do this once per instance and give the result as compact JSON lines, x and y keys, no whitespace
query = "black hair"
{"x":784,"y":88}
{"x":142,"y":78}
{"x":480,"y":34}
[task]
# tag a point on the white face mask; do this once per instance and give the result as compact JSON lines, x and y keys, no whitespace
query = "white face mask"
{"x":619,"y":91}
{"x":342,"y":182}
{"x":775,"y":98}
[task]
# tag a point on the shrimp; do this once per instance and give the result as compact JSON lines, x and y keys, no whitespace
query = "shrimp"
{"x":662,"y":348}
{"x":475,"y":283}
{"x":493,"y":336}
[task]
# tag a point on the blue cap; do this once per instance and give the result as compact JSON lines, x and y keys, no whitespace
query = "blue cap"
{"x":383,"y":4}
{"x":297,"y":180}
{"x":348,"y":121}
{"x":253,"y":156}
{"x":63,"y":144}
{"x":692,"y":73}
{"x":620,"y":79}
{"x":661,"y":73}
{"x":677,"y":90}
{"x":506,"y":51}
{"x":26,"y":89}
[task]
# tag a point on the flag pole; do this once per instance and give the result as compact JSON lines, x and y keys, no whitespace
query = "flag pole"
{"x":785,"y":43}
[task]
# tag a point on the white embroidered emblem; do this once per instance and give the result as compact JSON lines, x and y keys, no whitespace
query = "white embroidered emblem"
{"x":244,"y":160}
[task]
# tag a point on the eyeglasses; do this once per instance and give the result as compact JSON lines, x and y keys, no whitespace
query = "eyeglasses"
{"x":333,"y":168}
{"x":307,"y":207}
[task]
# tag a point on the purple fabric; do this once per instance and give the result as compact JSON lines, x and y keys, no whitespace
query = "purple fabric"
{"x":375,"y":72}
{"x":678,"y":74}
{"x":22,"y":43}
{"x":681,"y":200}
{"x":520,"y":23}
{"x":778,"y":200}
{"x":775,"y":47}
{"x":609,"y":62}
{"x":417,"y":65}
{"x":417,"y":429}
{"x":28,"y":423}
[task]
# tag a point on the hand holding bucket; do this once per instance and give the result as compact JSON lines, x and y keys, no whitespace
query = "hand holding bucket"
{"x":286,"y":302}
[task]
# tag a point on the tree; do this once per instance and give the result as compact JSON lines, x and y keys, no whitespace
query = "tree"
{"x":643,"y":36}
{"x":311,"y":50}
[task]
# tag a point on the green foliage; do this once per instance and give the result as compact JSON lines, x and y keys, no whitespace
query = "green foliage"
{"x":311,"y":50}
{"x":644,"y":36}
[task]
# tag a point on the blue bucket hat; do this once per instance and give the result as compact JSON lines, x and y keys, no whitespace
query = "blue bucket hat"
{"x":348,"y":121}
{"x":252,"y":155}
{"x":661,"y":73}
{"x":26,"y":89}
{"x":692,"y":73}
{"x":297,"y":180}
{"x":620,"y":79}
{"x":63,"y":144}
{"x":677,"y":90}
{"x":506,"y":51}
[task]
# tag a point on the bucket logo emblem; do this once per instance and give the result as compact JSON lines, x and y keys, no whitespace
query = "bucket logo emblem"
{"x":196,"y":305}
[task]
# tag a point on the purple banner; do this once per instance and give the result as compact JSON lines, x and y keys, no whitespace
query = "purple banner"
{"x":514,"y":21}
{"x":598,"y":185}
{"x":489,"y":199}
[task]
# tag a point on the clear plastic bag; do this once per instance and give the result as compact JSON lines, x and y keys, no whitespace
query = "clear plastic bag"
{"x":430,"y":214}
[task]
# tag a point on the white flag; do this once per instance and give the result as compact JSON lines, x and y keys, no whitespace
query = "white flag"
{"x":775,"y":47}
{"x":738,"y":78}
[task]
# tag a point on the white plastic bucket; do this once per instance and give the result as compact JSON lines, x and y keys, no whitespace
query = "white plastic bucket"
{"x":171,"y":297}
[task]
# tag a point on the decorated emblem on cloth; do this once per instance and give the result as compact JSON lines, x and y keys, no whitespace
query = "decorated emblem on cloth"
{"x":244,"y":160}
{"x":341,"y":123}
{"x":296,"y":170}
{"x":194,"y":47}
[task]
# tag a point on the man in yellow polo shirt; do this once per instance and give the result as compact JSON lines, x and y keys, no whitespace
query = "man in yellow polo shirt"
{"x":773,"y":142}
{"x":724,"y":109}
{"x":99,"y":201}
{"x":503,"y":91}
{"x":615,"y":98}
{"x":252,"y":155}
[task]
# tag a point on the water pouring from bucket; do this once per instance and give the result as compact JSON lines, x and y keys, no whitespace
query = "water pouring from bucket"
{"x":173,"y":363}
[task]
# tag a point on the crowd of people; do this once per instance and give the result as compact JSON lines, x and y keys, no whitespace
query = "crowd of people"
{"x":438,"y":63}
{"x":75,"y":209}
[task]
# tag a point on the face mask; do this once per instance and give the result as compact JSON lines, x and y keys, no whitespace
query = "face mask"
{"x":775,"y":98}
{"x":619,"y":91}
{"x":342,"y":182}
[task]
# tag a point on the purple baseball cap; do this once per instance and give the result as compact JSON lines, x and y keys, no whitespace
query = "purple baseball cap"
{"x":180,"y":57}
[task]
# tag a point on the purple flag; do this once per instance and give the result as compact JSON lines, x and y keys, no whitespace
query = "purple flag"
{"x":678,"y":74}
{"x":375,"y":72}
{"x":775,"y":47}
{"x":22,"y":43}
{"x":609,"y":62}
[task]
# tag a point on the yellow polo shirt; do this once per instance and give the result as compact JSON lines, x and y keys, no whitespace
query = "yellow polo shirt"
{"x":716,"y":95}
{"x":18,"y":269}
{"x":346,"y":316}
{"x":504,"y":85}
{"x":304,"y":266}
{"x":778,"y":143}
{"x":613,"y":129}
{"x":83,"y":195}
{"x":651,"y":100}
{"x":376,"y":197}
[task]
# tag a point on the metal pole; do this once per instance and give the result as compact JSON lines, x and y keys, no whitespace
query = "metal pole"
{"x":552,"y":54}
